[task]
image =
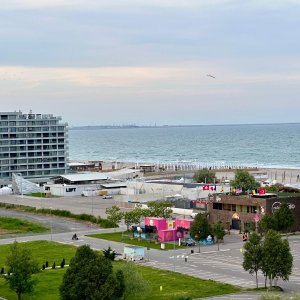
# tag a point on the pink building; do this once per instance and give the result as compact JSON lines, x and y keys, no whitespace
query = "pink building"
{"x":159,"y":223}
{"x":184,"y":223}
{"x":167,"y":230}
{"x":169,"y":235}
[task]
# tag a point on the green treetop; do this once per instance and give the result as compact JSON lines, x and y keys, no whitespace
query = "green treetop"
{"x":244,"y":181}
{"x":205,"y":175}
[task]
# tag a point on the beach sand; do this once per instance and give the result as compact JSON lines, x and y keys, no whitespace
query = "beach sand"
{"x":281,"y":175}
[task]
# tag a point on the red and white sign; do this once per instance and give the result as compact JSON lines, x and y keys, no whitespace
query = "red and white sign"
{"x":205,"y":187}
{"x":261,"y":191}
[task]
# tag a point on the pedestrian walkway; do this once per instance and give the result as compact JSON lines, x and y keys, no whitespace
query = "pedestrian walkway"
{"x":196,"y":271}
{"x":239,"y":296}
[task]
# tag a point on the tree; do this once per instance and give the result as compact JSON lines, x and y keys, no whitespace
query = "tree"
{"x":253,"y":255}
{"x":200,"y":228}
{"x":268,"y":222}
{"x":281,"y":220}
{"x":90,"y":276}
{"x":132,"y":217}
{"x":160,"y":209}
{"x":244,"y":180}
{"x":277,"y":259}
{"x":135,"y":284}
{"x":205,"y":175}
{"x":109,"y":253}
{"x":21,"y":266}
{"x":63,"y":262}
{"x":114,"y":214}
{"x":284,"y":217}
{"x":218,"y":231}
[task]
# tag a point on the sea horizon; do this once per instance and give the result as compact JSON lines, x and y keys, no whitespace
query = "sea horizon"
{"x":108,"y":126}
{"x":252,"y":145}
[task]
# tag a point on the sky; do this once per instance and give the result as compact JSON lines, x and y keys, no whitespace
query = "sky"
{"x":145,"y":62}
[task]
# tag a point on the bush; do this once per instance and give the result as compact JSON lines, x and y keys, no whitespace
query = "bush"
{"x":104,"y":223}
{"x":109,"y":253}
{"x":62,"y":264}
{"x":86,"y":217}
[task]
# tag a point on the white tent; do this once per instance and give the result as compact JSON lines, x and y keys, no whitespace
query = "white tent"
{"x":5,"y":191}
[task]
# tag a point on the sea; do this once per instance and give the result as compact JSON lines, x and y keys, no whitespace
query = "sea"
{"x":266,"y":145}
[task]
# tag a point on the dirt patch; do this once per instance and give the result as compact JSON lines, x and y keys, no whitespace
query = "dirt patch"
{"x":4,"y":231}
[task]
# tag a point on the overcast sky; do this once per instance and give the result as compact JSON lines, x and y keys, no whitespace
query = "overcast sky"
{"x":146,"y":61}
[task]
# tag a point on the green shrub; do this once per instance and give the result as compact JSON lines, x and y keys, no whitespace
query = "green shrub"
{"x":62,"y":213}
{"x":104,"y":223}
{"x":63,"y":262}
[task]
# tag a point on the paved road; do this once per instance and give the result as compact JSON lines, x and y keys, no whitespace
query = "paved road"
{"x":224,"y":265}
{"x":77,"y":204}
{"x":58,"y":224}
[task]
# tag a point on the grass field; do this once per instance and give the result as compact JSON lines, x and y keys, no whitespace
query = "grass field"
{"x":13,"y":225}
{"x":174,"y":285}
{"x":118,"y":237}
{"x":47,"y":287}
{"x":43,"y":251}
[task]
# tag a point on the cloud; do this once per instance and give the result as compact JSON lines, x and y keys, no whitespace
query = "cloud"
{"x":144,"y":4}
{"x":188,"y":78}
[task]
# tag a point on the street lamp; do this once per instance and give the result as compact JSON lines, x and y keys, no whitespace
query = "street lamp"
{"x":197,"y":236}
{"x":92,"y":202}
{"x":51,"y":223}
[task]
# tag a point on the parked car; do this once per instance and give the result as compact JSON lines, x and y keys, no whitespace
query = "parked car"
{"x":187,"y":242}
{"x":107,"y":197}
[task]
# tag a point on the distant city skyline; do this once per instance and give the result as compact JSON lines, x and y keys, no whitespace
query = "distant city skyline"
{"x":143,"y":62}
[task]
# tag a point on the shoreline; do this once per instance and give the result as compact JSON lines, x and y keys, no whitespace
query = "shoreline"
{"x":282,"y":175}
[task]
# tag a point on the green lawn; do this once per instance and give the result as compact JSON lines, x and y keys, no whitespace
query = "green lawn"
{"x":174,"y":285}
{"x":47,"y":287}
{"x":43,"y":251}
{"x":13,"y":225}
{"x":118,"y":237}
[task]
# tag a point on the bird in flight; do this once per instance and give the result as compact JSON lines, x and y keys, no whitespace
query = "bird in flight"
{"x":211,"y":76}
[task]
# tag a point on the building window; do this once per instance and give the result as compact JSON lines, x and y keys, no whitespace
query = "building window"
{"x":217,"y":206}
{"x":68,"y":190}
{"x":227,"y":207}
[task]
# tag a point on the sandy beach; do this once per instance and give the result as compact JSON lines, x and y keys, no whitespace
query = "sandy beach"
{"x":281,"y":175}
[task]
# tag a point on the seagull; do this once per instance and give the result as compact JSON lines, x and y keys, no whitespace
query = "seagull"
{"x":211,"y":76}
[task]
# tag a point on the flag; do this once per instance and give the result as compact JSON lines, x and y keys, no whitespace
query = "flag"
{"x":261,"y":191}
{"x":238,"y":191}
{"x":205,"y":187}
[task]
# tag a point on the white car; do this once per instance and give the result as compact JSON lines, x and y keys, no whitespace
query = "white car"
{"x":107,"y":197}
